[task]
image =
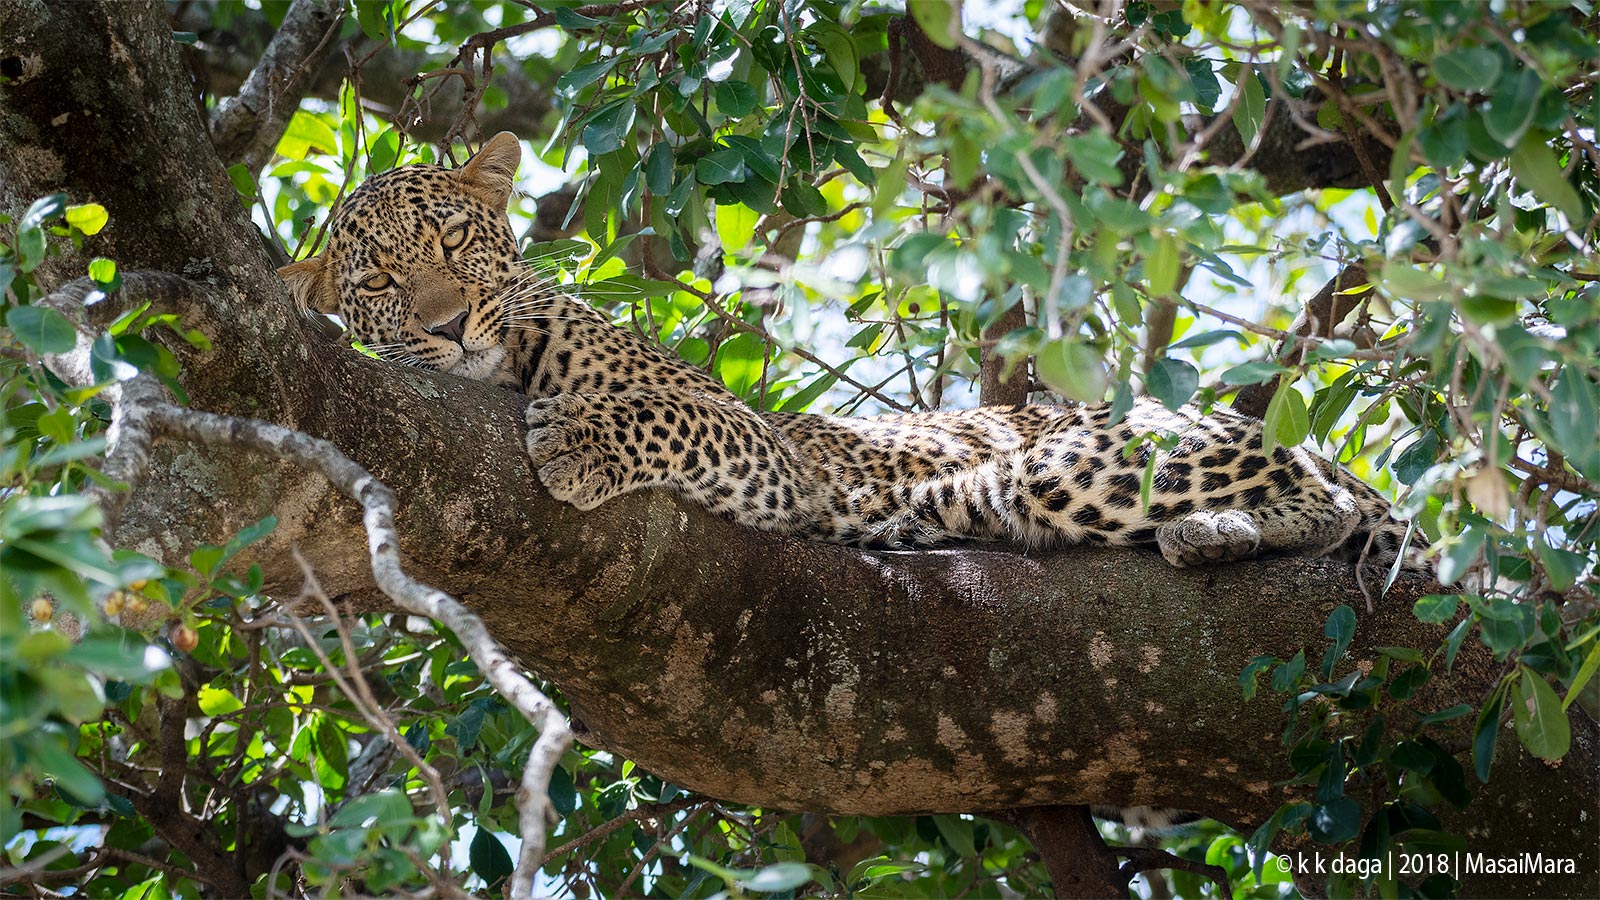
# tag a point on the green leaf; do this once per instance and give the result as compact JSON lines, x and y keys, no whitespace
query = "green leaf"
{"x":1341,"y":627}
{"x":1467,"y":69}
{"x":1412,"y":756}
{"x":489,"y":858}
{"x":377,"y":19}
{"x":1504,"y":635}
{"x":1563,"y":566}
{"x":1574,"y":409}
{"x":1285,"y":677}
{"x":1459,"y":554}
{"x":1161,"y":267}
{"x":1591,"y":663}
{"x":1436,"y":609}
{"x":582,"y":76}
{"x":1512,"y":104}
{"x":1287,"y":421}
{"x":846,"y":155}
{"x":1444,"y":140}
{"x":608,"y":127}
{"x":1534,"y":164}
{"x":720,"y":167}
{"x":215,"y":701}
{"x":783,"y":876}
{"x":88,"y":218}
{"x":250,"y":534}
{"x":42,"y":329}
{"x":740,"y":362}
{"x":1075,"y":369}
{"x":563,"y":795}
{"x":1405,"y":685}
{"x":939,"y":19}
{"x":57,"y":424}
{"x":736,"y":98}
{"x":803,"y":200}
{"x":382,"y":151}
{"x":306,"y":132}
{"x":1259,"y":372}
{"x":48,"y":751}
{"x":1452,"y":642}
{"x":1540,"y":718}
{"x":103,"y":271}
{"x":1445,"y":715}
{"x":1487,"y":732}
{"x":43,"y":210}
{"x":1207,"y":338}
{"x":658,"y":166}
{"x":1095,"y":156}
{"x":385,"y":808}
{"x":1252,"y":107}
{"x":1412,"y":462}
{"x":1249,"y":678}
{"x":572,"y":20}
{"x":122,"y":655}
{"x":333,"y":750}
{"x":466,"y":728}
{"x":957,"y":832}
{"x":1172,"y":382}
{"x":1334,"y":822}
{"x":30,"y":247}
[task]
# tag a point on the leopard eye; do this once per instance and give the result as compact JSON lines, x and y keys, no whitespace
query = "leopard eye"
{"x":379,"y":282}
{"x":455,"y":237}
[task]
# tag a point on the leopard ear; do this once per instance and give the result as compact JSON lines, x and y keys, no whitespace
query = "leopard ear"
{"x":491,"y":171}
{"x":309,"y":288}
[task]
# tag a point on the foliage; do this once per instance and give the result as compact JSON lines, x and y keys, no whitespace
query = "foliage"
{"x":731,"y":183}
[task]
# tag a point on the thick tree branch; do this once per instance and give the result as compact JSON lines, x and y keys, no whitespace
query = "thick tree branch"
{"x":741,"y":665}
{"x":1080,"y":865}
{"x":246,"y":127}
{"x":967,"y":680}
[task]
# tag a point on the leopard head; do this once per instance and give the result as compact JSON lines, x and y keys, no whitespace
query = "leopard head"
{"x":416,"y":261}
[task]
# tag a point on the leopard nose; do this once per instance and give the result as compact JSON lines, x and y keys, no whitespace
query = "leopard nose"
{"x":455,"y":329}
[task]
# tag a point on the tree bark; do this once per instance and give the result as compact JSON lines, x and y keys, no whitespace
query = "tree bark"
{"x":750,"y":667}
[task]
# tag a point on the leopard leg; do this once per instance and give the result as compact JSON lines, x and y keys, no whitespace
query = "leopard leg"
{"x":715,"y":451}
{"x":1307,"y":525}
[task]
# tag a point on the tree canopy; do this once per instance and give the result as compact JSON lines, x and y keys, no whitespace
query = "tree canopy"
{"x":1373,"y":226}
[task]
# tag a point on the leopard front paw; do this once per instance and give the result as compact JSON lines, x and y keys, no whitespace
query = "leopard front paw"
{"x":556,"y":425}
{"x":563,"y":446}
{"x":1208,"y":537}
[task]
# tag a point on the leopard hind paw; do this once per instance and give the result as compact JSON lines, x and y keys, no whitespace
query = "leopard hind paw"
{"x":1208,"y":537}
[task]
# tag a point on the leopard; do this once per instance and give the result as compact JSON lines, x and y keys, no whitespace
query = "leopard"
{"x":422,"y":266}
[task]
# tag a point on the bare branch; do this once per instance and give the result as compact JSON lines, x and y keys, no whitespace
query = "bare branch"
{"x":378,"y":502}
{"x":1321,"y":315}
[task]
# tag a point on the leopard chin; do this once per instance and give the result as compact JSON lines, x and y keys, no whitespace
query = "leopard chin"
{"x":479,"y":365}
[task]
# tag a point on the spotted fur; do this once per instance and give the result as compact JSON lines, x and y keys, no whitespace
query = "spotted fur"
{"x":422,"y":266}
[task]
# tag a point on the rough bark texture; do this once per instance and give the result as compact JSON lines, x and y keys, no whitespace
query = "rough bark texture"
{"x":246,"y":127}
{"x":996,"y":386}
{"x":750,"y":667}
{"x":1079,"y":862}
